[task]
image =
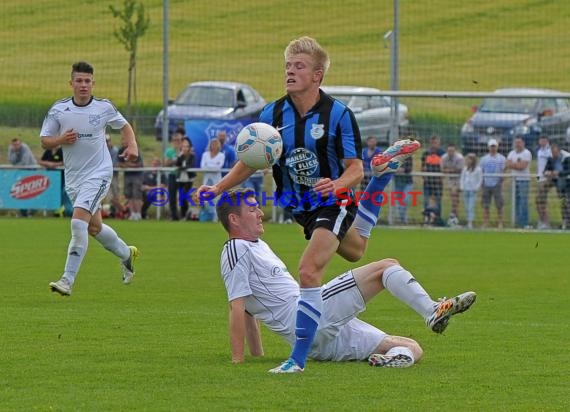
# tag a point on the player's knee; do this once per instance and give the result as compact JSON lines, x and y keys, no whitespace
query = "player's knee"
{"x":416,"y":350}
{"x":94,"y":229}
{"x":386,"y":263}
{"x":354,"y":255}
{"x":309,"y":277}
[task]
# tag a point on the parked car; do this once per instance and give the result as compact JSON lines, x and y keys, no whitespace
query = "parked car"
{"x":217,"y":100}
{"x":371,"y":109}
{"x":504,"y":118}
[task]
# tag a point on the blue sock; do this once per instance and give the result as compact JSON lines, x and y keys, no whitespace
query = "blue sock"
{"x":305,"y":330}
{"x":369,"y":209}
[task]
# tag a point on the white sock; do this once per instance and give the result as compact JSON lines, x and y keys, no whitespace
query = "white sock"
{"x":402,"y":285}
{"x":313,"y":297}
{"x":76,"y":249}
{"x":363,"y":226}
{"x":112,"y":242}
{"x":401,"y":350}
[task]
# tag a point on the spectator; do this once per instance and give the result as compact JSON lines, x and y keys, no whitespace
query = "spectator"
{"x":542,"y":154}
{"x":53,"y":159}
{"x":20,"y":154}
{"x":368,"y":153}
{"x":555,"y":176}
{"x":151,"y":182}
{"x":133,"y":181}
{"x":492,"y":165}
{"x":185,"y":178}
{"x":452,"y":164}
{"x":564,"y":183}
{"x":431,"y":163}
{"x":432,"y":216}
{"x":117,"y":209}
{"x":470,"y":183}
{"x":518,"y":161}
{"x":403,"y":183}
{"x":230,"y":155}
{"x":213,"y":160}
{"x":170,"y":156}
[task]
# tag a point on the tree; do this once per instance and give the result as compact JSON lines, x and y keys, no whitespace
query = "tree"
{"x":135,"y":24}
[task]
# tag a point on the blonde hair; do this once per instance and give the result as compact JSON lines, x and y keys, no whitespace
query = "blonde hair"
{"x":308,"y":45}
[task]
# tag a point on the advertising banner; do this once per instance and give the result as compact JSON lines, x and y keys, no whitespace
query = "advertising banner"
{"x":30,"y":189}
{"x":201,"y":132}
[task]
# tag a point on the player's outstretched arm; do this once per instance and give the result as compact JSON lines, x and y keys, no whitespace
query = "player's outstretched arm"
{"x":237,"y":329}
{"x":253,"y":337}
{"x":237,"y":175}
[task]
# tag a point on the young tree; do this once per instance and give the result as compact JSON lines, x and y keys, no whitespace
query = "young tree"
{"x":135,"y":24}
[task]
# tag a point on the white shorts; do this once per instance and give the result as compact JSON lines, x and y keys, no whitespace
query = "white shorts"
{"x":341,"y":336}
{"x":89,"y":195}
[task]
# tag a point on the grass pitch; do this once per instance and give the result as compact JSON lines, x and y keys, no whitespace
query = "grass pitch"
{"x":162,"y":342}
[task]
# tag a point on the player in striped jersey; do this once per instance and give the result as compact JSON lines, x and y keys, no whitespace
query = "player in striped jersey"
{"x":321,"y":156}
{"x":78,"y":124}
{"x":260,"y":288}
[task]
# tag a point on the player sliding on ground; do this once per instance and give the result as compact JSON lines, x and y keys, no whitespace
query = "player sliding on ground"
{"x":260,"y":288}
{"x":78,"y":124}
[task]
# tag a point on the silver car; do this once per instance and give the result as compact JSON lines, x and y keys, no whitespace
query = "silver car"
{"x":371,"y":109}
{"x":216,"y":100}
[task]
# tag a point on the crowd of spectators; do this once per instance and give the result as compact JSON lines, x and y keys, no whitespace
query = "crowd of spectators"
{"x":446,"y":174}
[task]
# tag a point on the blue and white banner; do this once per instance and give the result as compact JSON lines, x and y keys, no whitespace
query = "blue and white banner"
{"x":30,"y":189}
{"x":201,"y":132}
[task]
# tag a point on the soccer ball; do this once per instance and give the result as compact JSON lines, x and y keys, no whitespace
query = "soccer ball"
{"x":259,"y":145}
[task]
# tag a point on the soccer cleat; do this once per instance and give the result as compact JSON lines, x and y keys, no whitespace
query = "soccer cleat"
{"x":129,"y":265}
{"x":289,"y":366}
{"x":388,"y":361}
{"x":62,"y":286}
{"x":393,"y":157}
{"x":446,"y":308}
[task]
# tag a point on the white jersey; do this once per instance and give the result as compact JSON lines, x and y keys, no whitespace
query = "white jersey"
{"x":253,"y":271}
{"x":89,"y":156}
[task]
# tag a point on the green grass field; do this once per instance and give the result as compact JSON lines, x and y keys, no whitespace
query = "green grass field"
{"x":161,"y":344}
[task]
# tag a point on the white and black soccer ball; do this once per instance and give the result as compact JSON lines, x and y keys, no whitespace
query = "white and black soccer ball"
{"x":259,"y":145}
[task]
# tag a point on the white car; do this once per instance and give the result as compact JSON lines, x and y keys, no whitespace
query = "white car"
{"x":371,"y":109}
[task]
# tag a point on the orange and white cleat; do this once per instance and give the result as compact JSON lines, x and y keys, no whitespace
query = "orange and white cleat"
{"x":446,"y":308}
{"x":393,"y":157}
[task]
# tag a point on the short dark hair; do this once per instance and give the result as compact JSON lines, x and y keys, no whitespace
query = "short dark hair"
{"x":81,"y":67}
{"x":232,"y":204}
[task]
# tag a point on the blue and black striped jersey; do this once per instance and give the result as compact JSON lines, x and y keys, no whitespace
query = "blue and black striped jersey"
{"x":313,"y":148}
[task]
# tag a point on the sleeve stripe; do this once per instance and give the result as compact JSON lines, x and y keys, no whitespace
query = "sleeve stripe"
{"x":231,"y":253}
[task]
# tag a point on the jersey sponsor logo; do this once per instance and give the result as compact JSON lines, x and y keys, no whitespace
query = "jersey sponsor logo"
{"x":29,"y":187}
{"x":302,"y":165}
{"x":317,"y":130}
